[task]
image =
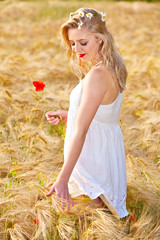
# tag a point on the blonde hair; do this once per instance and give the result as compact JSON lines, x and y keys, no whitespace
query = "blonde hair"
{"x":109,"y":51}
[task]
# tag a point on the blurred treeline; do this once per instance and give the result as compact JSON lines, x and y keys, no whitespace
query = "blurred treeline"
{"x":84,"y":0}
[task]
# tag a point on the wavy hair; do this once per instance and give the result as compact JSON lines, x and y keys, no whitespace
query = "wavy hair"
{"x":110,"y":53}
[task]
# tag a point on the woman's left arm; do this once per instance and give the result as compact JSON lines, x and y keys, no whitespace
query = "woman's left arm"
{"x":93,"y":93}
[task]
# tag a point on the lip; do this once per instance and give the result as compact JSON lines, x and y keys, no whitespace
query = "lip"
{"x":82,"y":55}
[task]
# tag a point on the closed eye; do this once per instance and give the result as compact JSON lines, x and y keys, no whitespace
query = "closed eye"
{"x":83,"y":44}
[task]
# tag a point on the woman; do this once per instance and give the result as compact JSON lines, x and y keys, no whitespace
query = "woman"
{"x":94,"y":155}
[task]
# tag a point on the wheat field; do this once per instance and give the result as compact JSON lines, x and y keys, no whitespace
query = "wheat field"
{"x":31,"y":149}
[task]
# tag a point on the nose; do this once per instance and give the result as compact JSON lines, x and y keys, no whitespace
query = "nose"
{"x":77,"y":47}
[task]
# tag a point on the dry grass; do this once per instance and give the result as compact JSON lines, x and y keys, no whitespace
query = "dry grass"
{"x":31,"y":152}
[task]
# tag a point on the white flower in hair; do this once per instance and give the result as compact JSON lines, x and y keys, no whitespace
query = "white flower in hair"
{"x":103,"y":16}
{"x":71,"y":14}
{"x":81,"y":14}
{"x":89,"y":15}
{"x":79,"y":25}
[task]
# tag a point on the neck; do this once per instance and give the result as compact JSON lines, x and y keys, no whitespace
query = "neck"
{"x":96,"y":64}
{"x":97,"y":60}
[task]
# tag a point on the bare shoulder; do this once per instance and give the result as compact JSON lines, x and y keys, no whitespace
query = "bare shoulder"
{"x":100,"y":73}
{"x":99,"y":76}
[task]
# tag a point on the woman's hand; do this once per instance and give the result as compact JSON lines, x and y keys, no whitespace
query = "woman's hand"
{"x":55,"y":116}
{"x":60,"y":187}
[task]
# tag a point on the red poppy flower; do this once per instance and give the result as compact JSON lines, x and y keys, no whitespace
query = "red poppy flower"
{"x":132,"y":218}
{"x":36,"y":221}
{"x":39,"y":85}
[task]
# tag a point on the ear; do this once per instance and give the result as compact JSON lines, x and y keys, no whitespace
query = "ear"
{"x":100,"y":41}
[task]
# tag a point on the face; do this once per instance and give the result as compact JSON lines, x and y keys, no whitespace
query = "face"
{"x":85,"y":45}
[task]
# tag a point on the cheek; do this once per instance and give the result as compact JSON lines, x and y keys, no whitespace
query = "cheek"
{"x":92,"y":47}
{"x":88,"y":48}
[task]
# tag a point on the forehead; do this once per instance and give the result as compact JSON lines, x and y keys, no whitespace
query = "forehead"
{"x":78,"y":34}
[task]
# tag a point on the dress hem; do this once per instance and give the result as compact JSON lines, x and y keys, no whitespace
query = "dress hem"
{"x":117,"y":212}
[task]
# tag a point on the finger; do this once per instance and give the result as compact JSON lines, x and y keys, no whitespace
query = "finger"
{"x":56,"y":202}
{"x":50,"y":114}
{"x":68,"y":206}
{"x":52,"y":118}
{"x":50,"y":192}
{"x":55,"y":121}
{"x":57,"y":198}
{"x":62,"y":203}
{"x":71,"y":200}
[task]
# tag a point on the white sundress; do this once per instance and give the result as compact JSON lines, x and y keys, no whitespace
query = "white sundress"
{"x":101,"y":167}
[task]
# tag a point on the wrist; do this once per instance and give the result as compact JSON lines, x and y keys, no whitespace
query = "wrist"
{"x":65,"y":116}
{"x":63,"y":178}
{"x":65,"y":119}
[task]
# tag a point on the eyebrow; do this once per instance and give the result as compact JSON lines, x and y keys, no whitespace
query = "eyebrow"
{"x":78,"y":40}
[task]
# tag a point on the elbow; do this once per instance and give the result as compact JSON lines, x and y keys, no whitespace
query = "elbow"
{"x":80,"y":133}
{"x":81,"y":128}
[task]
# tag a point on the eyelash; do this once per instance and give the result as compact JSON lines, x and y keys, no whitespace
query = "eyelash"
{"x":81,"y":44}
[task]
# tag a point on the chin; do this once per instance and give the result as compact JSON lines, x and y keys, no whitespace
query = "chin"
{"x":84,"y":59}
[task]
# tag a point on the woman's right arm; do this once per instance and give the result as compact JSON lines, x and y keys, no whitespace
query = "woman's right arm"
{"x":54,"y":116}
